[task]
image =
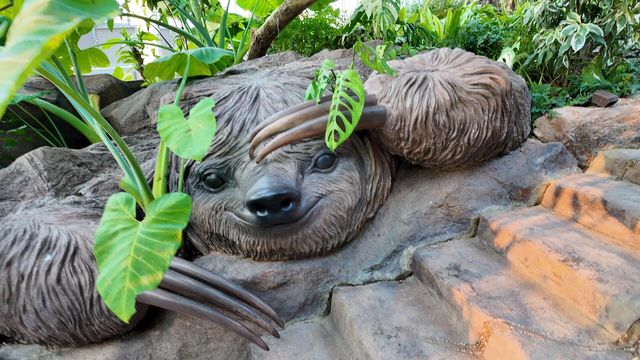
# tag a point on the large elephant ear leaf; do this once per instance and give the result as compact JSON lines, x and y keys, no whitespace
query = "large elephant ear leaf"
{"x":37,"y":31}
{"x":348,"y":97}
{"x":188,"y":138}
{"x":132,"y":255}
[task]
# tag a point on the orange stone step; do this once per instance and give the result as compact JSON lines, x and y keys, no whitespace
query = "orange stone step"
{"x":575,"y":264}
{"x":620,"y":164}
{"x":604,"y":205}
{"x":506,"y":316}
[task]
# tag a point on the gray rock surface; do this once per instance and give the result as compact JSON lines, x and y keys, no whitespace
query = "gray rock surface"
{"x":587,"y":130}
{"x":423,"y":208}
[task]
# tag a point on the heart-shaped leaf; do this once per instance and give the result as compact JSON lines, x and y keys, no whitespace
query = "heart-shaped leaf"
{"x":188,"y":138}
{"x":37,"y":31}
{"x":132,"y":256}
{"x":204,"y":62}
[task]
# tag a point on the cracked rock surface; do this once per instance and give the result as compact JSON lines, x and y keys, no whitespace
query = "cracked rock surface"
{"x":424,"y":207}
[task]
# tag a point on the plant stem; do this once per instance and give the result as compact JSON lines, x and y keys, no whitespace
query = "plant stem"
{"x":134,"y":43}
{"x":131,"y":167}
{"x":68,"y":117}
{"x":76,"y":66}
{"x":162,"y":162}
{"x":192,"y":38}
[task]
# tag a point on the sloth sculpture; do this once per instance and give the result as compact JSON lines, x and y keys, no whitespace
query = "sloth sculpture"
{"x":269,"y":189}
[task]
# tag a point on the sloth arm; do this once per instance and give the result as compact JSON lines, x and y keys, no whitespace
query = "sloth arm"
{"x":445,"y":108}
{"x":49,"y":211}
{"x":47,"y":284}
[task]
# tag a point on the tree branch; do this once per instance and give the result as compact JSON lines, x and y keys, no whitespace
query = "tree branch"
{"x":277,"y":21}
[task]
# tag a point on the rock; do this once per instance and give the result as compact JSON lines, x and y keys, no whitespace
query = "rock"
{"x":609,"y":207}
{"x":307,"y":340}
{"x":504,"y":314}
{"x":398,"y":320}
{"x":424,"y":207}
{"x":587,"y":130}
{"x":604,"y":98}
{"x":592,"y":277}
{"x":171,"y":337}
{"x":621,"y":164}
{"x":107,"y":87}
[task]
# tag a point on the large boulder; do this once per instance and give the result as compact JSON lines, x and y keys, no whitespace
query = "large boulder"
{"x":587,"y":130}
{"x":16,"y":139}
{"x":424,"y":207}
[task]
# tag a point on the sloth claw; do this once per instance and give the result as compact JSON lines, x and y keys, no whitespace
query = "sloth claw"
{"x":304,"y":122}
{"x":189,"y":289}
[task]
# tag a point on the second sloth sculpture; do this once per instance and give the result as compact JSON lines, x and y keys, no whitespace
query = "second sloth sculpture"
{"x":446,"y":108}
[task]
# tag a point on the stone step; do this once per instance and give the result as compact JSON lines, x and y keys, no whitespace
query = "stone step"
{"x":309,"y":340}
{"x":604,"y":205}
{"x":397,"y":320}
{"x":620,"y":164}
{"x":505,"y":315}
{"x":579,"y":266}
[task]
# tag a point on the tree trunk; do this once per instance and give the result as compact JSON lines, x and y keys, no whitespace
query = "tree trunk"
{"x":277,"y":21}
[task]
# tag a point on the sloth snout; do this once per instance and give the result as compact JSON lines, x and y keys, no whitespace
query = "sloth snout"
{"x":273,"y":203}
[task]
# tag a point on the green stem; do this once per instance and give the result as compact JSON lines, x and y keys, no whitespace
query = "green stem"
{"x":134,"y":43}
{"x":203,"y":32}
{"x":53,"y":124}
{"x":37,"y":121}
{"x":181,"y":178}
{"x":43,"y":136}
{"x":162,"y":162}
{"x":240,"y":53}
{"x":192,"y":38}
{"x":68,"y":117}
{"x":76,"y":66}
{"x":102,"y":124}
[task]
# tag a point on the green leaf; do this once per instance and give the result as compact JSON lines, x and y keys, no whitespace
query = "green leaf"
{"x":322,"y":79}
{"x":205,"y":61}
{"x":37,"y":31}
{"x":595,"y":29}
{"x":188,"y":138}
{"x":577,"y":41}
{"x":320,"y":4}
{"x":262,"y":7}
{"x":339,"y":127}
{"x":375,"y":59}
{"x":132,"y":256}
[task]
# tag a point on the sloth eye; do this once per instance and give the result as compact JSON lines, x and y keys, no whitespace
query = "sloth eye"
{"x":214,"y":181}
{"x":324,"y":161}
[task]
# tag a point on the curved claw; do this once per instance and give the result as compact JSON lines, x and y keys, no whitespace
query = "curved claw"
{"x":203,"y":275}
{"x":193,"y":289}
{"x":180,"y":304}
{"x":373,"y":117}
{"x":289,"y":111}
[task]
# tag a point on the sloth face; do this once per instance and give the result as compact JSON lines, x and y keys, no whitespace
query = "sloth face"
{"x":303,"y":200}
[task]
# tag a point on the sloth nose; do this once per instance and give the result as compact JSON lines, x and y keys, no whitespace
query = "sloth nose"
{"x":273,"y":204}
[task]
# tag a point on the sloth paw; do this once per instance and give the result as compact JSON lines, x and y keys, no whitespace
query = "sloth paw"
{"x":192,"y":290}
{"x":305,"y":121}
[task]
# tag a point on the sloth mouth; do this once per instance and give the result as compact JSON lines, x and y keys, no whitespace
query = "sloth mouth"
{"x":285,"y":223}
